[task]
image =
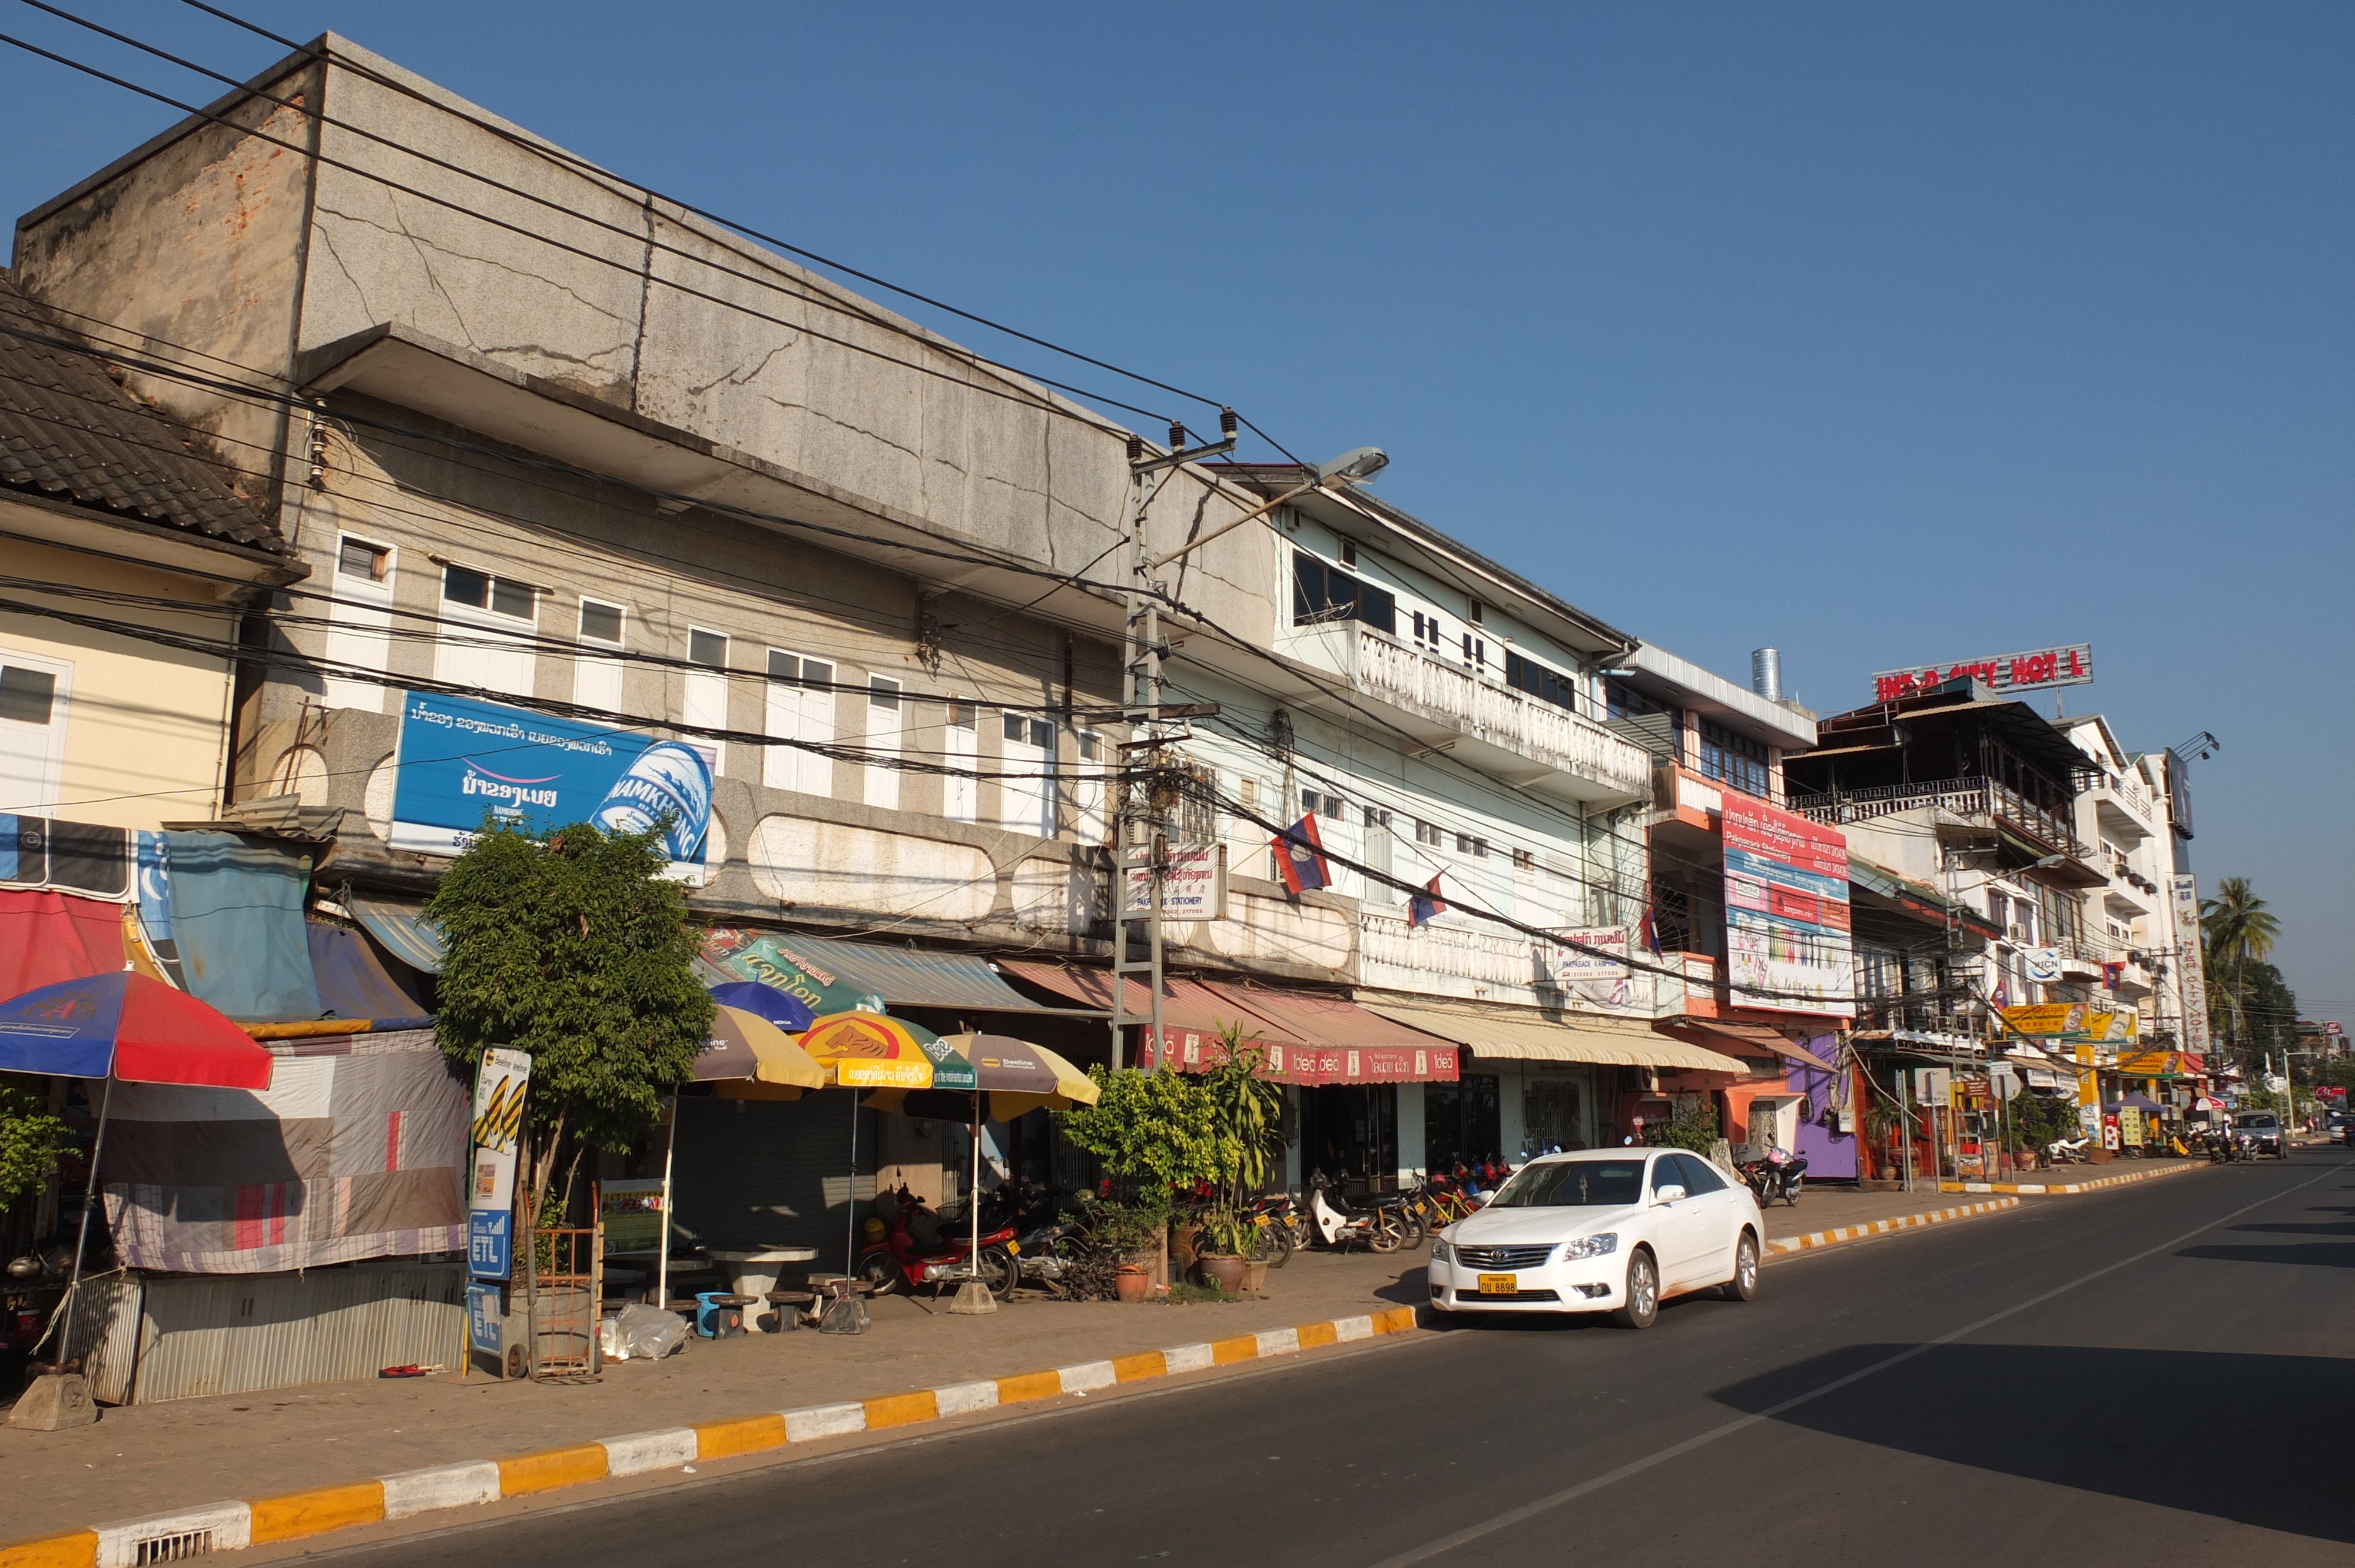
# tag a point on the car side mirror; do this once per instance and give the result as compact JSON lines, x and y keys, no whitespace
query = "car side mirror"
{"x":1668,"y":1195}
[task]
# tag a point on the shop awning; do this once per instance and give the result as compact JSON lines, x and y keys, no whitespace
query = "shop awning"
{"x":49,"y":936}
{"x":832,"y":975}
{"x":1346,"y":1043}
{"x":1750,"y":1037}
{"x":403,"y":929}
{"x":1185,"y":1004}
{"x":1499,"y":1035}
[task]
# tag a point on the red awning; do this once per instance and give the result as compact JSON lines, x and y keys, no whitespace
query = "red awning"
{"x":1186,"y":1005}
{"x":1338,"y":1041}
{"x":47,"y":937}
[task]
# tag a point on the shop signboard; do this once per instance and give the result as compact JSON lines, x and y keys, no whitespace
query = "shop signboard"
{"x":2036,"y":670}
{"x":2046,"y":1018}
{"x":501,"y":1084}
{"x":1196,"y":1051}
{"x":485,"y":1318}
{"x":630,"y":1213}
{"x":2041,"y":964}
{"x":1786,"y":916}
{"x":778,"y":961}
{"x":460,"y":761}
{"x":1193,"y":882}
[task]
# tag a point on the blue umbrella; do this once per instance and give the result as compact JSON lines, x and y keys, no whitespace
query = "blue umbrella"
{"x":787,"y":1012}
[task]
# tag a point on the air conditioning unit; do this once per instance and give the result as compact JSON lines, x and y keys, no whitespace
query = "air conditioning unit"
{"x":2019,"y":937}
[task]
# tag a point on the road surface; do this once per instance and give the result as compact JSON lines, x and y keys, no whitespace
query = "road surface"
{"x":2162,"y":1374}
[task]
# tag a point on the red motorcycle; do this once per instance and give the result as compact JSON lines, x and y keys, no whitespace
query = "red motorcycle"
{"x":917,"y":1247}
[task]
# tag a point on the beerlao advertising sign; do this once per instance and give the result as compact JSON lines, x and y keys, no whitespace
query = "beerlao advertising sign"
{"x":2036,"y":671}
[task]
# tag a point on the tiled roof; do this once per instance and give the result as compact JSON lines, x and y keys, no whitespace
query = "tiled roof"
{"x":68,"y":430}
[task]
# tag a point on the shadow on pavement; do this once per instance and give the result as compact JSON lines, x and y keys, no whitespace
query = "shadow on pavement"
{"x":2233,"y":1436}
{"x":2313,"y":1254}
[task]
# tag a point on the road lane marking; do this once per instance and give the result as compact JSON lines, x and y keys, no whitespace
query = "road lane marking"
{"x":1552,"y":1500}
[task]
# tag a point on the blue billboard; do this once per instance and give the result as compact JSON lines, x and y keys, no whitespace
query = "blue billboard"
{"x":461,"y":760}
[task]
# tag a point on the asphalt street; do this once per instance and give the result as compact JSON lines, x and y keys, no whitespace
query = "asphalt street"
{"x":2158,"y":1374}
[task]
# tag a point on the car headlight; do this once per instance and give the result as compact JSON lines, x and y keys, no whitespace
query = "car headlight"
{"x":1603,"y":1246}
{"x":1441,"y":1252}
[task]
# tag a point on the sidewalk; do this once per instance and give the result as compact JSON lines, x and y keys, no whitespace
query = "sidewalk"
{"x":144,"y":1460}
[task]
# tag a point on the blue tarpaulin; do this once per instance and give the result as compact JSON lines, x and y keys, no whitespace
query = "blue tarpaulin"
{"x":237,"y":919}
{"x":353,"y":982}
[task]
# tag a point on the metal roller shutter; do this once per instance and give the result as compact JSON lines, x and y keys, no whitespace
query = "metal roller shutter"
{"x":772,"y":1172}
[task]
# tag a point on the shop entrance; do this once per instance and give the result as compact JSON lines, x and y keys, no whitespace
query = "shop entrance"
{"x":1460,"y":1122}
{"x":1553,"y":1116}
{"x":1349,"y":1131}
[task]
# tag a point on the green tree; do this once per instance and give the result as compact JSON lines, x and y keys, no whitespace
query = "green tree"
{"x":31,"y":1140}
{"x":573,"y":945}
{"x":1158,"y":1130}
{"x":2236,"y":930}
{"x":1248,"y":1113}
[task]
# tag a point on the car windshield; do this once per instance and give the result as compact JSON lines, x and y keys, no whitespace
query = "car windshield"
{"x":2255,"y":1118}
{"x":1573,"y":1183}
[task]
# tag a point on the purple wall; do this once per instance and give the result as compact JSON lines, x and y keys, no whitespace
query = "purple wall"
{"x":1828,"y":1153}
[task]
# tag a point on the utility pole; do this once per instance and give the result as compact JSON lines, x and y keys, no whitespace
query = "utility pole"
{"x":1139,"y":833}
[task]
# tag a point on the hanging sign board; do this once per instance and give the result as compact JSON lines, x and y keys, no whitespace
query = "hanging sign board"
{"x":501,"y":1084}
{"x":2030,"y":672}
{"x":1193,"y":884}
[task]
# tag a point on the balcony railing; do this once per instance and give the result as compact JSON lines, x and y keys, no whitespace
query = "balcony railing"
{"x":1498,"y":714}
{"x":2133,"y":798}
{"x":1962,"y":796}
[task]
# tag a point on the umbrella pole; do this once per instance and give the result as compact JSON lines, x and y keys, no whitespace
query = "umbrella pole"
{"x":662,"y":1256}
{"x":973,"y":1295}
{"x":81,"y":1236}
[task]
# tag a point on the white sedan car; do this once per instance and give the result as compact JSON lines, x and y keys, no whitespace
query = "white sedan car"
{"x":1608,"y":1230}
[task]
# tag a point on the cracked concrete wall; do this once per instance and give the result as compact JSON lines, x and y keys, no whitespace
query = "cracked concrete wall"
{"x":192,"y":247}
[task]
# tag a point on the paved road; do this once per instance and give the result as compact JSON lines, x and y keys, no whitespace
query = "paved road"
{"x":2159,"y":1374}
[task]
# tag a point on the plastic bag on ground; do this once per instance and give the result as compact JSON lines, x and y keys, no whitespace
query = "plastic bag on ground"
{"x":645,"y":1334}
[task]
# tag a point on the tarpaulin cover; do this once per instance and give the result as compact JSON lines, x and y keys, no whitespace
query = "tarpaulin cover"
{"x":50,"y":936}
{"x":353,"y":982}
{"x":356,"y":1150}
{"x":404,"y":930}
{"x":237,"y":919}
{"x":129,"y":1025}
{"x":72,"y":857}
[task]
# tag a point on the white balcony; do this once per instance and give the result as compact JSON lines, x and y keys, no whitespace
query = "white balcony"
{"x":2124,"y":810}
{"x":1533,"y":743}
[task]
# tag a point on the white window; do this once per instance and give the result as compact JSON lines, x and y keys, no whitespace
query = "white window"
{"x":961,"y":749}
{"x":704,"y":701}
{"x":1087,"y":790}
{"x":884,"y":727}
{"x":484,"y":616}
{"x":800,"y":706}
{"x":35,"y":693}
{"x":1380,"y":837}
{"x":360,"y":623}
{"x":1027,"y":792}
{"x":597,"y":680}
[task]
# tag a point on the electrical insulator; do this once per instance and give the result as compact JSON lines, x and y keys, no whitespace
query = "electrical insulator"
{"x":1137,"y":449}
{"x":1177,"y":436}
{"x":1226,"y":424}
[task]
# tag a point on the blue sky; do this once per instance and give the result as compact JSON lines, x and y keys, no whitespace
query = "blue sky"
{"x":1882,"y":334}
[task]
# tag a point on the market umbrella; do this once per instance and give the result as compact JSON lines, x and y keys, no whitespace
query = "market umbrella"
{"x":747,"y":1048}
{"x":790,"y":1014}
{"x":861,"y":1050}
{"x":122,"y":1025}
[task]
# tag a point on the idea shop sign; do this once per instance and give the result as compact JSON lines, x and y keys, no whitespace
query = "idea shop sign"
{"x":2070,"y":666}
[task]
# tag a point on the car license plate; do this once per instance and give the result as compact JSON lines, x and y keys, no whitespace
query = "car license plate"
{"x":1500,"y":1285}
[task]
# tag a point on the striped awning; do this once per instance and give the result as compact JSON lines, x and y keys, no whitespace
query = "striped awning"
{"x":1519,"y":1034}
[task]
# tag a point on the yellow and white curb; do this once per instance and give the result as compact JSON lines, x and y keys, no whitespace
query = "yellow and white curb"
{"x":1815,"y":1239}
{"x":2056,"y":1188}
{"x":261,"y":1521}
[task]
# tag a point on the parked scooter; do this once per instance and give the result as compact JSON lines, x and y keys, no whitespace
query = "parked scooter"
{"x":914,"y":1248}
{"x":1777,"y":1175}
{"x":2067,"y":1151}
{"x":1341,"y":1227}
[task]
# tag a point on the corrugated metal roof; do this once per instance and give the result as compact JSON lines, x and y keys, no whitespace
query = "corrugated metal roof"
{"x":905,"y":978}
{"x":66,"y":429}
{"x":1184,"y":1004}
{"x":1497,"y":1033}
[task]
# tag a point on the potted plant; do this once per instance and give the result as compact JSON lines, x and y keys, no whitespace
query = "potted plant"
{"x":1224,"y":1248}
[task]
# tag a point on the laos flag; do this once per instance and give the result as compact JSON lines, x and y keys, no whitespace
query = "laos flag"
{"x":1300,"y":856}
{"x":1427,"y":905}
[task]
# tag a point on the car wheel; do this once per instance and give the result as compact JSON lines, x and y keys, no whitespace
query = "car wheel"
{"x":1643,"y":1306}
{"x":1744,"y":1286}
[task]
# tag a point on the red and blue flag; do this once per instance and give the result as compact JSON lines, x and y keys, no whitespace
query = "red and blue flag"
{"x":1300,"y":856}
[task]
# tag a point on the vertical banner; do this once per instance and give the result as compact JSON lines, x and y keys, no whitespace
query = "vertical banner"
{"x":2191,"y":971}
{"x":1786,"y":915}
{"x":500,"y":1086}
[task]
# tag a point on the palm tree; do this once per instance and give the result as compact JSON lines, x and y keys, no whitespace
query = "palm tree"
{"x":2236,"y":928}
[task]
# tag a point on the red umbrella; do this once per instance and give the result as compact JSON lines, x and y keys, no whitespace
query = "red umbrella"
{"x":122,"y":1025}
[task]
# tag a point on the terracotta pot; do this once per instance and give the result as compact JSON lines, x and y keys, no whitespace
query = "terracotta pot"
{"x":1131,"y":1283}
{"x":1255,"y":1276}
{"x":1224,"y":1269}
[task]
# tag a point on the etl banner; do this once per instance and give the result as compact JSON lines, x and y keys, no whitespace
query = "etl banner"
{"x":501,"y":1084}
{"x":461,"y":760}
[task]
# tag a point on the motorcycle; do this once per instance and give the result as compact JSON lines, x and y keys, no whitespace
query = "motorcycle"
{"x":1341,"y":1227}
{"x":914,"y":1248}
{"x":1777,"y":1175}
{"x":2067,"y":1151}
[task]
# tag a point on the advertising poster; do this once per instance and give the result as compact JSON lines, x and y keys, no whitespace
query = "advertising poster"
{"x":774,"y":960}
{"x":485,"y":1320}
{"x":1193,"y":884}
{"x":1600,"y":978}
{"x":630,"y":1213}
{"x":1786,"y":915}
{"x":2191,"y":972}
{"x":501,"y":1084}
{"x":461,"y":760}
